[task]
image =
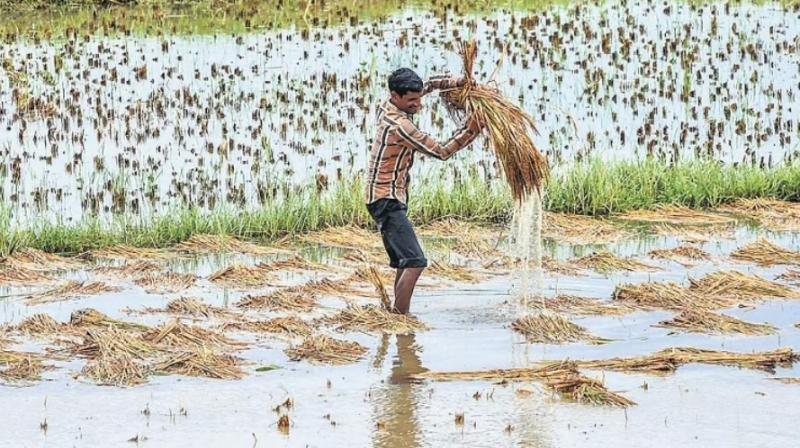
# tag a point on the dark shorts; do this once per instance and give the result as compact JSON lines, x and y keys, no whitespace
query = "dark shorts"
{"x":398,"y":234}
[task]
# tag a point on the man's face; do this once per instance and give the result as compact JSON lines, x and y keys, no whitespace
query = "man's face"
{"x":409,"y":103}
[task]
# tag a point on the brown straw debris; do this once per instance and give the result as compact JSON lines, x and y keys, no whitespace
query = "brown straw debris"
{"x":347,"y":237}
{"x":201,"y":362}
{"x":295,"y":298}
{"x":177,"y":334}
{"x":125,"y":252}
{"x":372,"y":319}
{"x":134,"y":270}
{"x":582,"y":306}
{"x":37,"y":260}
{"x":684,"y":255}
{"x":766,"y":253}
{"x":552,"y":329}
{"x":241,"y":276}
{"x":677,"y":215}
{"x":507,"y":126}
{"x":205,"y":244}
{"x":699,"y":321}
{"x":375,"y":278}
{"x":451,"y":272}
{"x":187,"y":306}
{"x":791,"y":275}
{"x":326,"y":350}
{"x":579,"y":229}
{"x":606,"y":262}
{"x":39,"y":325}
{"x":787,"y":380}
{"x":20,"y":367}
{"x":697,"y":234}
{"x":22,"y":276}
{"x":741,"y":286}
{"x":89,"y":317}
{"x":69,"y":290}
{"x":284,"y":326}
{"x":668,"y":360}
{"x":772,"y":214}
{"x":669,"y":296}
{"x":166,"y":282}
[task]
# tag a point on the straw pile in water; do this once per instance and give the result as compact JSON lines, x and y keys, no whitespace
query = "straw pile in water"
{"x":372,"y":319}
{"x":70,"y":289}
{"x":19,"y":366}
{"x":787,"y":380}
{"x":561,"y":377}
{"x":669,"y":296}
{"x":507,"y":126}
{"x":582,"y":306}
{"x":201,"y":362}
{"x":166,"y":282}
{"x":326,"y":350}
{"x":125,"y":252}
{"x":37,"y":260}
{"x":347,"y":237}
{"x":295,"y":298}
{"x":205,"y":244}
{"x":89,"y":317}
{"x":285,"y":326}
{"x":39,"y":325}
{"x":241,"y":276}
{"x":766,"y":253}
{"x":578,"y":229}
{"x":742,"y":286}
{"x":177,"y":334}
{"x":552,"y":329}
{"x":698,"y":321}
{"x":557,"y":267}
{"x":684,"y":255}
{"x":134,"y":270}
{"x":696,"y":234}
{"x":791,"y":275}
{"x":16,"y":275}
{"x":772,"y":214}
{"x":674,"y":214}
{"x":606,"y":262}
{"x":187,"y":306}
{"x":668,"y":360}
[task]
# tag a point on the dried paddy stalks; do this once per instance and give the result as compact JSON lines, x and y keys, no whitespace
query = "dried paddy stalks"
{"x":70,"y":289}
{"x":695,"y":234}
{"x":581,"y":389}
{"x":201,"y":363}
{"x":133,"y":270}
{"x":37,"y":260}
{"x":347,"y":237}
{"x":552,"y":329}
{"x":772,"y":214}
{"x":684,"y":255}
{"x":667,"y":361}
{"x":578,"y":229}
{"x":241,"y":276}
{"x":766,"y":253}
{"x":326,"y":350}
{"x":295,"y":298}
{"x":708,"y":322}
{"x":582,"y":306}
{"x":372,"y":319}
{"x":670,"y":296}
{"x":17,"y":275}
{"x":742,"y":286}
{"x":791,"y":275}
{"x":89,"y":317}
{"x":787,"y":380}
{"x":606,"y":262}
{"x":20,"y":367}
{"x":451,"y":272}
{"x":125,"y":252}
{"x":39,"y":325}
{"x":205,"y":244}
{"x":178,"y":335}
{"x":284,"y":326}
{"x":193,"y":307}
{"x":507,"y":126}
{"x":679,"y":215}
{"x":374,"y":277}
{"x":166,"y":282}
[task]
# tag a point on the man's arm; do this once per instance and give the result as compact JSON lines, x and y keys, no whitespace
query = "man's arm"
{"x":424,"y":143}
{"x":440,"y":82}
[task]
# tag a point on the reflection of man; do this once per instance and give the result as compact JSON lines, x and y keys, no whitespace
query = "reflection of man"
{"x":397,"y":404}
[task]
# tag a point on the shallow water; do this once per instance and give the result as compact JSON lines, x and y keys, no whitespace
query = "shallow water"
{"x":372,"y":403}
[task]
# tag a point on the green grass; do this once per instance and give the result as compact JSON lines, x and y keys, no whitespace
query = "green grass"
{"x":594,"y":188}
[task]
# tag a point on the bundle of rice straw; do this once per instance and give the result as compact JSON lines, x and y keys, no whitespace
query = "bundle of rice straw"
{"x":507,"y":126}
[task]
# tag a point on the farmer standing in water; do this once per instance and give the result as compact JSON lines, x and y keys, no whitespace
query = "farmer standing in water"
{"x":396,"y":141}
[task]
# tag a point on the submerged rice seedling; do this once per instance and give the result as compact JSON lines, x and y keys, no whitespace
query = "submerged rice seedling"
{"x":698,"y":321}
{"x":741,"y":286}
{"x":507,"y":126}
{"x":582,"y":306}
{"x":69,"y":290}
{"x":669,"y":296}
{"x":284,"y":326}
{"x":766,"y":253}
{"x":606,"y":262}
{"x":684,"y":255}
{"x":166,"y":282}
{"x":295,"y":298}
{"x":552,"y":329}
{"x":579,"y":229}
{"x":327,"y":350}
{"x":677,"y":215}
{"x":204,"y":244}
{"x":372,"y":319}
{"x":668,"y":360}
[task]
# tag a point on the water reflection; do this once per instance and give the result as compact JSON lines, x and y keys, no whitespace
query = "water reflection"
{"x":396,"y":411}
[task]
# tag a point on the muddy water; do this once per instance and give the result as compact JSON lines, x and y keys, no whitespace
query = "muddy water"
{"x":144,"y":124}
{"x":372,"y":403}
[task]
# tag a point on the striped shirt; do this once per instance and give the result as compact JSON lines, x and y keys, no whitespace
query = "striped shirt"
{"x":397,"y":140}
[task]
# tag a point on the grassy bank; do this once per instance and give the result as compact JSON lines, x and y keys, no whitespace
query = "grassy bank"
{"x":594,"y":188}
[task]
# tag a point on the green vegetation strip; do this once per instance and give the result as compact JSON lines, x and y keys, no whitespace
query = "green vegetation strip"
{"x":595,"y":188}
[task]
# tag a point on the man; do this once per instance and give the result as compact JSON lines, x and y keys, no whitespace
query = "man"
{"x":396,"y":142}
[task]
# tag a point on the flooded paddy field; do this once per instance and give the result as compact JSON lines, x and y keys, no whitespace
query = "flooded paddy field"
{"x":186,"y":258}
{"x":257,"y":333}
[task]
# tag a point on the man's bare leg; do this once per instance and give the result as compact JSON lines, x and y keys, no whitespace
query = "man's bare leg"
{"x":404,"y":289}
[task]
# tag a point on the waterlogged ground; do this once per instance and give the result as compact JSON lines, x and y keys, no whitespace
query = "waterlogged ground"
{"x":373,"y":403}
{"x":94,"y":125}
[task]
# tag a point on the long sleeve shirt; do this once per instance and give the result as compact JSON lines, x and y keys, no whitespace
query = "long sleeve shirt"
{"x":396,"y":142}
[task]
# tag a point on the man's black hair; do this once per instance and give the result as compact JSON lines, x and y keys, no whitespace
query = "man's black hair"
{"x":404,"y":80}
